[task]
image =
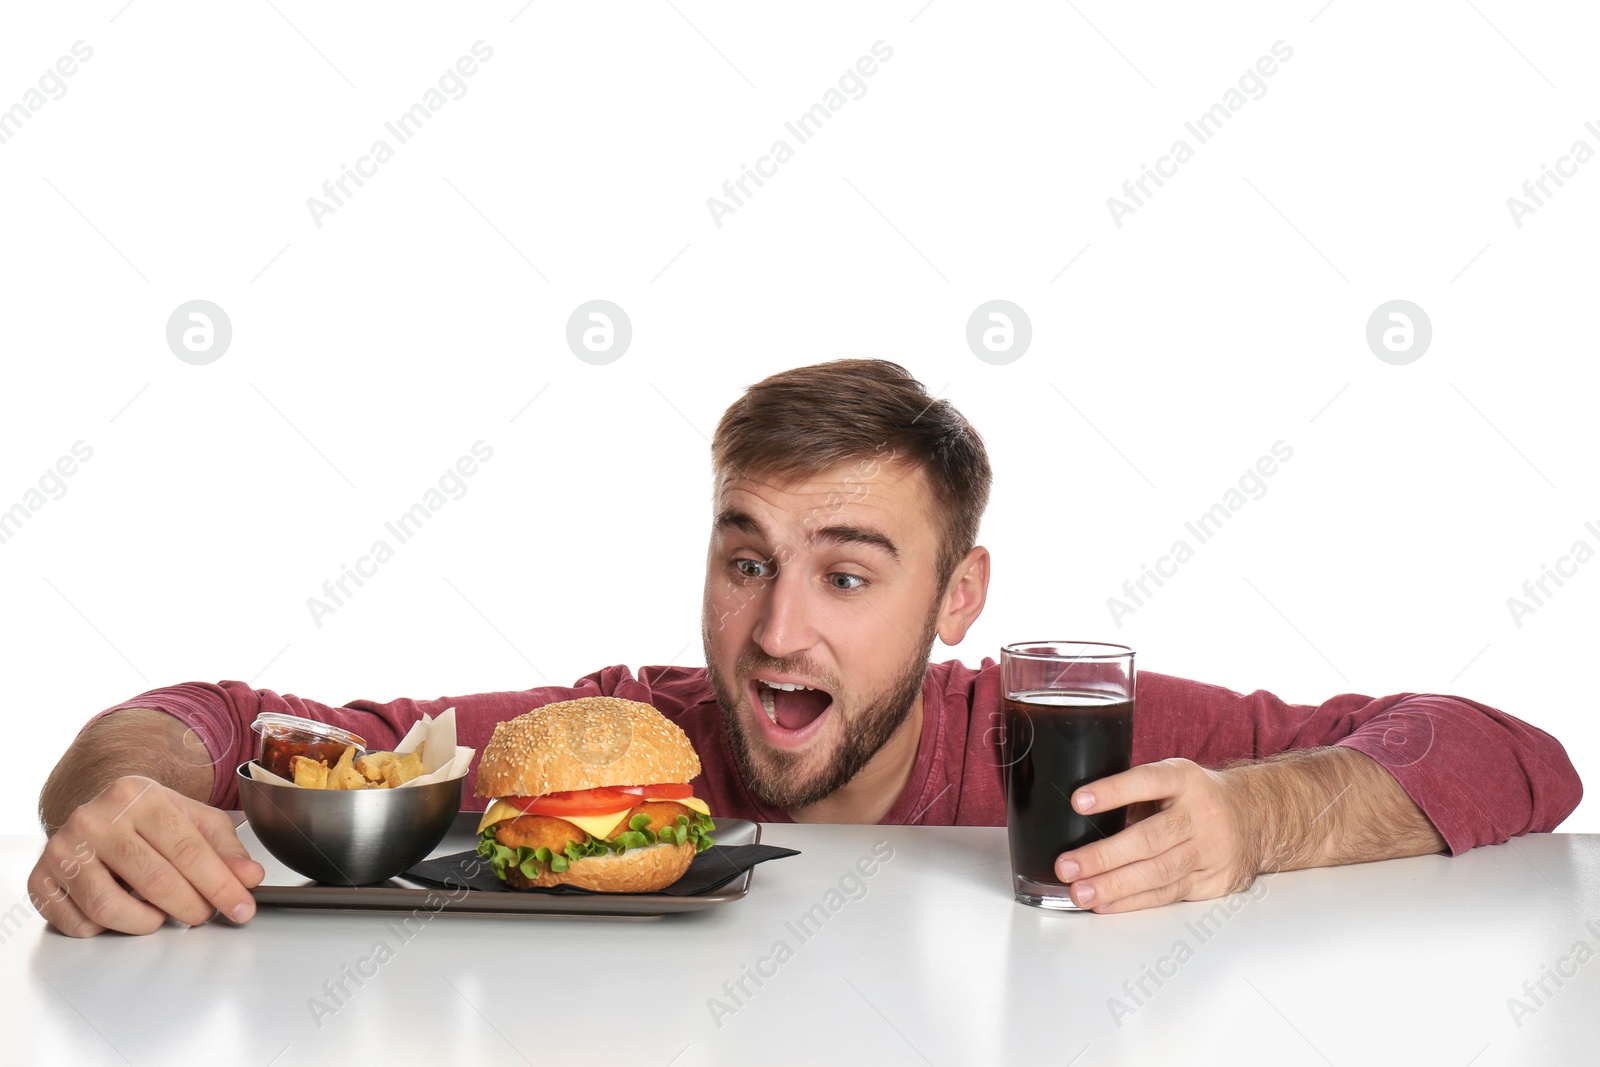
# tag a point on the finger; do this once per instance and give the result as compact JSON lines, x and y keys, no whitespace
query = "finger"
{"x":112,"y":866}
{"x":1146,"y":782}
{"x":1159,"y":879}
{"x":179,"y":871}
{"x":104,"y":902}
{"x":1202,"y":884}
{"x":1150,"y":898}
{"x":218,"y":830}
{"x":55,"y":906}
{"x":1141,"y":841}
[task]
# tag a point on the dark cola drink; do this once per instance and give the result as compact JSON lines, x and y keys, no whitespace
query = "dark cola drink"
{"x":1057,"y":740}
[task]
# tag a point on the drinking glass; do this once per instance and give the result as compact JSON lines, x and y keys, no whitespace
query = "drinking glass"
{"x":1068,"y":717}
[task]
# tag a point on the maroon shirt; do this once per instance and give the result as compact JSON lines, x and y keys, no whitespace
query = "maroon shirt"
{"x":1480,"y":775}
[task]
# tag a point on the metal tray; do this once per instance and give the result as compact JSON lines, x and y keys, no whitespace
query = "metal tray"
{"x":284,"y":888}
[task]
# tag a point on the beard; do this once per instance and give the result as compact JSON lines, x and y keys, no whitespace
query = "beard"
{"x":780,"y":778}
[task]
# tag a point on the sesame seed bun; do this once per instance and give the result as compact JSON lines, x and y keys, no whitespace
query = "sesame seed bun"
{"x":585,"y":744}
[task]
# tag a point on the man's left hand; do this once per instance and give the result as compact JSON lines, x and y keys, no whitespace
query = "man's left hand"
{"x":1188,"y":838}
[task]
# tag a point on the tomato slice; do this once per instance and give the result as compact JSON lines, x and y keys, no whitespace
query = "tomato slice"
{"x":577,"y":802}
{"x":670,"y":791}
{"x":596,"y":801}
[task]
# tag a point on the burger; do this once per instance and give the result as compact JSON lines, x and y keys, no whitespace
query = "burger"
{"x":591,"y":793}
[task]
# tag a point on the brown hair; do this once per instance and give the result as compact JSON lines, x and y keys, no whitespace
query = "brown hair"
{"x":802,"y":422}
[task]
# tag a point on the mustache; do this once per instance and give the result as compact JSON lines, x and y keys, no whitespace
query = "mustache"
{"x":751,"y":662}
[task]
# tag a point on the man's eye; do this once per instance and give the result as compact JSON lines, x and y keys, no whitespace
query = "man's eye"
{"x":847,"y":582}
{"x":751,"y":568}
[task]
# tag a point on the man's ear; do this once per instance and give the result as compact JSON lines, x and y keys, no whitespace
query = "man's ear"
{"x":964,"y":597}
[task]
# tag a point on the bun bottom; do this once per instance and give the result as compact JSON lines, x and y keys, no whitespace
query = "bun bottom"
{"x":638,"y":870}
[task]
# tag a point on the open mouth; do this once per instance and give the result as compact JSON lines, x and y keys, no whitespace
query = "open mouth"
{"x":789,"y":709}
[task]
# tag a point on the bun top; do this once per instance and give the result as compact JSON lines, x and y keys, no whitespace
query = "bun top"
{"x":585,"y":744}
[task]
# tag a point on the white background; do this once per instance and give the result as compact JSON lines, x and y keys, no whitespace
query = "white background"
{"x":368,"y":354}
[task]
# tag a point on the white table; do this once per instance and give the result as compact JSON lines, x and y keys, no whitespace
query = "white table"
{"x":1409,"y":961}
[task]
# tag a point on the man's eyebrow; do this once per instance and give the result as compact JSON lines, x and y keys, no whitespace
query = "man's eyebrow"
{"x":857,"y":535}
{"x":734,"y":519}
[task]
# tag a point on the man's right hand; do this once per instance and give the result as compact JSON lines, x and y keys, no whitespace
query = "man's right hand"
{"x":138,"y":853}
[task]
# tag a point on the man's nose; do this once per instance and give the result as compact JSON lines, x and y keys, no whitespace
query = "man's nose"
{"x":784,"y":627}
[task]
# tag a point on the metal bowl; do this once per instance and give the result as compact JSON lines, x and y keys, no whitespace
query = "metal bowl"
{"x":349,"y":837}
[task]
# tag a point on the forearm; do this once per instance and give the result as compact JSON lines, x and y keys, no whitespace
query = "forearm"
{"x":1320,"y":807}
{"x":1479,"y":775}
{"x":132,"y":741}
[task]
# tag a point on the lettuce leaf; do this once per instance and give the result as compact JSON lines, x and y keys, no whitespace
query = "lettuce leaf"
{"x":692,"y":828}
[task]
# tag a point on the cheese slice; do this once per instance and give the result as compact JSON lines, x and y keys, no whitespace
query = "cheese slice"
{"x":599,"y":825}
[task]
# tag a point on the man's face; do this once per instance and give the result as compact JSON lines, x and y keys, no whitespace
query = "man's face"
{"x":829,"y":584}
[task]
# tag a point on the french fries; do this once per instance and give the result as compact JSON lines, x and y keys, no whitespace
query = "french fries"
{"x":390,"y":768}
{"x":375,"y":770}
{"x":310,"y":773}
{"x":343,"y":775}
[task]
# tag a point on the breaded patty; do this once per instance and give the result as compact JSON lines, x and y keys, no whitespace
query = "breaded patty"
{"x":538,"y":831}
{"x":547,"y":831}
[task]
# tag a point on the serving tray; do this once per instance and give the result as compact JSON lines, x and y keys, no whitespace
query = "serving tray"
{"x":284,"y":888}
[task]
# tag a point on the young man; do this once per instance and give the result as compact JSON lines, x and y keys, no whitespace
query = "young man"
{"x":843,"y":542}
